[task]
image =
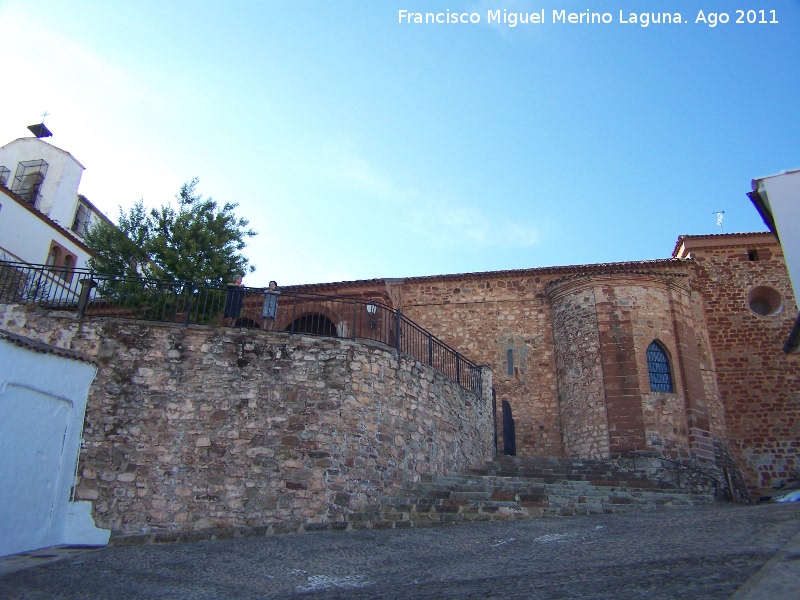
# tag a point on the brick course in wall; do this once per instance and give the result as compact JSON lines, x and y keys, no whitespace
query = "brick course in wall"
{"x":758,"y":385}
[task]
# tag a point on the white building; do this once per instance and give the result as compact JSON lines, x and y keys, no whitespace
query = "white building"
{"x":777,"y":199}
{"x":43,"y":218}
{"x":43,"y":395}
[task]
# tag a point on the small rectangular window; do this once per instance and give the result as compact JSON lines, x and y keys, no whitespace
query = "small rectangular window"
{"x":510,"y":360}
{"x":28,"y":180}
{"x":80,"y":225}
{"x":752,"y":255}
{"x":5,"y":173}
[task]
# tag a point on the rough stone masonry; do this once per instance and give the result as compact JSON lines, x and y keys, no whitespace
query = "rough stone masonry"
{"x":189,"y":428}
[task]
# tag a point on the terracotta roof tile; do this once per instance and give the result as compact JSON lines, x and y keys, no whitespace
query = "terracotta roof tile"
{"x":43,"y":348}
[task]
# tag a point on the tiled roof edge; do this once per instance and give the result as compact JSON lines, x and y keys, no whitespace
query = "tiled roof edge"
{"x":26,"y":205}
{"x":44,"y":348}
{"x":710,"y":236}
{"x":567,"y":269}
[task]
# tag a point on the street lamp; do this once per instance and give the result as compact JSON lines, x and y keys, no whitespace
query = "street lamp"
{"x":371,"y":310}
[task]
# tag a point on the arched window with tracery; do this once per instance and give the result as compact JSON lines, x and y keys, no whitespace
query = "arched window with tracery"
{"x":658,"y":368}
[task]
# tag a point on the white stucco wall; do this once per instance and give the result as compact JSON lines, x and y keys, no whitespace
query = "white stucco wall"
{"x":42,"y":406}
{"x":60,"y":188}
{"x":27,"y":238}
{"x":783,"y":196}
{"x":23,"y":236}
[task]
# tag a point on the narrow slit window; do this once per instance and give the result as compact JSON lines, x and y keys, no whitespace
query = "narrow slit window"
{"x":658,"y":368}
{"x":510,"y":361}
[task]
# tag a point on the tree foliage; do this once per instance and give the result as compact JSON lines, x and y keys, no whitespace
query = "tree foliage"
{"x":198,"y":241}
{"x":121,"y":250}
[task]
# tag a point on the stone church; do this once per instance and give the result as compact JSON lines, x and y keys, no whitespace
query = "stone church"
{"x":197,"y":427}
{"x":193,"y":425}
{"x":680,"y":358}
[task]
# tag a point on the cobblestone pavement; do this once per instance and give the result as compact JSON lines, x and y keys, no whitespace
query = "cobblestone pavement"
{"x":708,"y":552}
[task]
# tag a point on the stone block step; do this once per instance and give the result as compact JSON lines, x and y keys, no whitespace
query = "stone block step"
{"x":522,"y":488}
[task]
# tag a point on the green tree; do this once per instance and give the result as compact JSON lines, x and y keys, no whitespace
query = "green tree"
{"x":198,"y":240}
{"x":121,"y":250}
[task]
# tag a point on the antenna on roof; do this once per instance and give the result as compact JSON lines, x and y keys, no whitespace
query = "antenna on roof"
{"x":719,"y":214}
{"x":39,"y":130}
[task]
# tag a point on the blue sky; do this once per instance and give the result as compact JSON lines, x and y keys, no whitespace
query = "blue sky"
{"x":359,"y":147}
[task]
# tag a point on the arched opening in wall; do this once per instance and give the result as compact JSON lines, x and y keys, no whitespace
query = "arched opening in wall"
{"x":54,"y":256}
{"x":765,"y":301}
{"x":62,"y":261}
{"x":67,"y":269}
{"x":509,"y":433}
{"x":313,"y":324}
{"x":658,"y":368}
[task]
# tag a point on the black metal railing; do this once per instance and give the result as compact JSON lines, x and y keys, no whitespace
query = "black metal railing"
{"x":94,"y":294}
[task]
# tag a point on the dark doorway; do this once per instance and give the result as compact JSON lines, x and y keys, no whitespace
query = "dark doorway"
{"x":509,"y":437}
{"x":314,"y":324}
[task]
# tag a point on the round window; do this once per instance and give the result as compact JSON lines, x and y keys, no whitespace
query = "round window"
{"x":765,"y":301}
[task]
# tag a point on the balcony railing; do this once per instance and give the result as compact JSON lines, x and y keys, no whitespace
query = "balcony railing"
{"x":95,"y":294}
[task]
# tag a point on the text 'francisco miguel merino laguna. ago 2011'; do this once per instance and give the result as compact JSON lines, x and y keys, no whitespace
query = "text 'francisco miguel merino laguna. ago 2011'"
{"x":644,"y":19}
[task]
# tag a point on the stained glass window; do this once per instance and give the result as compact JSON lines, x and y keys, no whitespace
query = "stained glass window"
{"x":658,"y":367}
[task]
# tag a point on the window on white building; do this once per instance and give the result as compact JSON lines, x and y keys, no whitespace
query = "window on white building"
{"x":54,"y":256}
{"x":5,"y":173}
{"x":83,"y":217}
{"x":28,"y":180}
{"x":62,"y":261}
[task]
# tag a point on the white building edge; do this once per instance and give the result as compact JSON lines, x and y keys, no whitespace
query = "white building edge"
{"x":777,"y":199}
{"x":43,"y":218}
{"x":43,"y":396}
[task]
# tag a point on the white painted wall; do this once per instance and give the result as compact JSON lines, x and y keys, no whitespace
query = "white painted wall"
{"x":60,"y":187}
{"x":782,"y":193}
{"x":42,"y":407}
{"x":25,"y":237}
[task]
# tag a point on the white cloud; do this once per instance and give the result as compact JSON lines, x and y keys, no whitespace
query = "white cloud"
{"x":443,"y":219}
{"x":91,"y":104}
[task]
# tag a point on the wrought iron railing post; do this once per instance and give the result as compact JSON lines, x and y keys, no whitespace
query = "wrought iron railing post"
{"x":37,"y":288}
{"x":355,"y":311}
{"x":294,"y":311}
{"x":458,"y":368}
{"x":87,"y":285}
{"x":430,"y":349}
{"x":189,"y":307}
{"x":397,"y":331}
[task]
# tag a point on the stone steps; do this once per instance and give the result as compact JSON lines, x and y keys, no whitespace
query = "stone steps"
{"x":522,"y":488}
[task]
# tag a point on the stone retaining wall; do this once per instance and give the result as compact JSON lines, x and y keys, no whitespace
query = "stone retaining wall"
{"x":189,"y":428}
